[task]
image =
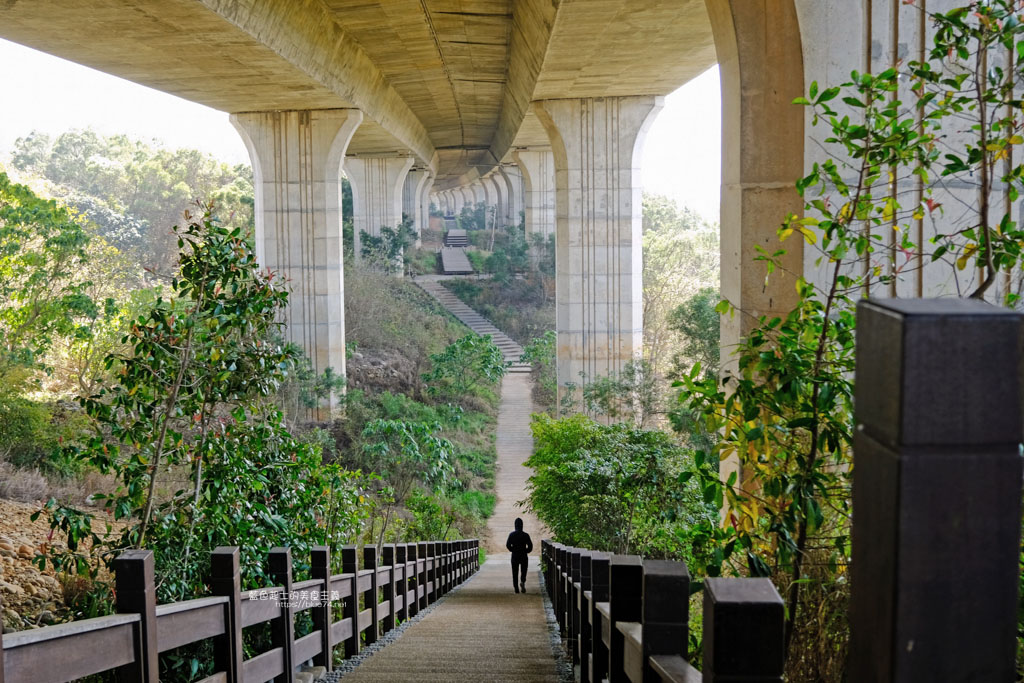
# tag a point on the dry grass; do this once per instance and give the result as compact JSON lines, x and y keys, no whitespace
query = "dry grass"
{"x":32,"y":486}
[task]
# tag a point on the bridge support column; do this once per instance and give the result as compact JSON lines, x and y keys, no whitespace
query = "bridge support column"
{"x":538,"y":167}
{"x":514,"y":181}
{"x":412,"y":199}
{"x":424,"y":206}
{"x":296,"y":161}
{"x":595,"y":143}
{"x":377,"y":184}
{"x":495,"y":205}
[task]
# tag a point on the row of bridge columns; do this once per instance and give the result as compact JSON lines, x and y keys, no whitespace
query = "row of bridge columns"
{"x":584,"y":189}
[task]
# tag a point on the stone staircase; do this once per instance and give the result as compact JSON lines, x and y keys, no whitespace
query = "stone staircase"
{"x":454,"y":261}
{"x":456,"y":238}
{"x":511,"y":350}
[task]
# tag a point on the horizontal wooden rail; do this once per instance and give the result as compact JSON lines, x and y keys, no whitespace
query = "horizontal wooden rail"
{"x":626,"y":619}
{"x":373,"y":600}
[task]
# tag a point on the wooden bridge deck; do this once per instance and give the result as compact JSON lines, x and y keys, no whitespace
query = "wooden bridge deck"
{"x":482,"y":632}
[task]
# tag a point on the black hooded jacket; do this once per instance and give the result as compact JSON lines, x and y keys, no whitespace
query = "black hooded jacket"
{"x":519,"y":543}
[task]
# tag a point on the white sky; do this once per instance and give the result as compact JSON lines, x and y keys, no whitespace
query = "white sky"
{"x":682,"y":155}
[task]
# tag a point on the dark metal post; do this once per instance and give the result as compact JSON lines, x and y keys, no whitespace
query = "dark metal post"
{"x":625,"y":592}
{"x":226,"y":580}
{"x":320,"y":568}
{"x":350,"y":610}
{"x":136,"y":594}
{"x":283,"y":628}
{"x":936,"y":492}
{"x":743,"y":631}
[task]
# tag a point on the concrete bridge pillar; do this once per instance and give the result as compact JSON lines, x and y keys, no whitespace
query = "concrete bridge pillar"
{"x":596,"y":144}
{"x":424,"y":205}
{"x":479,"y":196}
{"x":458,"y":200}
{"x":412,"y":199}
{"x":538,"y":167}
{"x":377,"y":184}
{"x":465,"y":196}
{"x":296,"y":162}
{"x":496,"y":213}
{"x":514,"y":180}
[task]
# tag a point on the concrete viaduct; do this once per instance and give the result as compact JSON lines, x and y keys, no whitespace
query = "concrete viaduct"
{"x":534,"y":106}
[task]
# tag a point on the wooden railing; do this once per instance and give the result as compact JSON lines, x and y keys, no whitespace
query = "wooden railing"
{"x":623,"y":618}
{"x":402,"y":581}
{"x":935,"y":531}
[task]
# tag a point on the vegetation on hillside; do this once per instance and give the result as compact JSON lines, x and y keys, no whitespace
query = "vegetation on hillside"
{"x":164,"y":410}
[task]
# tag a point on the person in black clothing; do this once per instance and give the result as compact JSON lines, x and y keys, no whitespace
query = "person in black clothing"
{"x":520,"y":545}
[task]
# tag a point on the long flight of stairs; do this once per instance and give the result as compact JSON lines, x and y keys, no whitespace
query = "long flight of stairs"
{"x":511,"y":350}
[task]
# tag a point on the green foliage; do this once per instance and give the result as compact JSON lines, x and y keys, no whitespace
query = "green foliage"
{"x":465,"y":366}
{"x":540,"y":354}
{"x":32,"y":435}
{"x":200,"y":452}
{"x":42,"y":299}
{"x":132,"y":190}
{"x":387,"y":250}
{"x":634,"y":394}
{"x":784,"y":414}
{"x":698,"y":324}
{"x":405,"y":453}
{"x":614,"y":487}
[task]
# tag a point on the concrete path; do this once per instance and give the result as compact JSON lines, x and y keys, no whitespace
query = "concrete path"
{"x":515,"y":444}
{"x":481,"y":632}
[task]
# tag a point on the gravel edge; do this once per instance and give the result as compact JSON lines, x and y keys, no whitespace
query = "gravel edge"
{"x":563,"y":662}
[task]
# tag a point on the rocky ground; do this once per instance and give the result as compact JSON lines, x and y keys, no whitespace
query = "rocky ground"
{"x":28,"y":597}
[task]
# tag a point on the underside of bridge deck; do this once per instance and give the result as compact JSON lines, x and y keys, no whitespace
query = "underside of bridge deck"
{"x":534,"y":107}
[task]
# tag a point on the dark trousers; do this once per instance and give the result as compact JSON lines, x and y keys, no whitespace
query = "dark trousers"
{"x":519,"y":562}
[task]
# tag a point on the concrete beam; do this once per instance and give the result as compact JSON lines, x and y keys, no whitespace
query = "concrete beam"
{"x":296,"y":160}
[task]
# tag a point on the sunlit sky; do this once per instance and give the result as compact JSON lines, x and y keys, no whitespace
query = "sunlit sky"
{"x":682,"y":156}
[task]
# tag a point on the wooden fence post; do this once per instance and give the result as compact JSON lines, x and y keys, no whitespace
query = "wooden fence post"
{"x":572,"y":613}
{"x":350,"y":610}
{"x":600,"y":568}
{"x":226,"y":580}
{"x":625,"y":592}
{"x":936,"y":491}
{"x":320,"y":568}
{"x":583,"y":615}
{"x":401,"y":581}
{"x":559,"y":601}
{"x":283,"y":628}
{"x":388,"y":592}
{"x":432,"y":560}
{"x":743,"y":631}
{"x":421,"y":576}
{"x":412,"y":583}
{"x":665,"y":626}
{"x":136,"y":594}
{"x":372,"y":596}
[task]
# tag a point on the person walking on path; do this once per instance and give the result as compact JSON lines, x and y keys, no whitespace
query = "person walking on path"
{"x":520,"y":545}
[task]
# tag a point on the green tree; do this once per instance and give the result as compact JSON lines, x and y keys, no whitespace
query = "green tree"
{"x":42,"y":296}
{"x":613,"y":487}
{"x":464,"y":366}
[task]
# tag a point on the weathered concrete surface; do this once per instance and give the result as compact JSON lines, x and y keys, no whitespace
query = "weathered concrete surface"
{"x":415,"y":187}
{"x":296,"y":159}
{"x":481,"y":632}
{"x":598,"y":250}
{"x":377,"y":184}
{"x":538,"y":168}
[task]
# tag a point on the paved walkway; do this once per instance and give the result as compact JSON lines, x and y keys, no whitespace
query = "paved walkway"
{"x":483,"y":631}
